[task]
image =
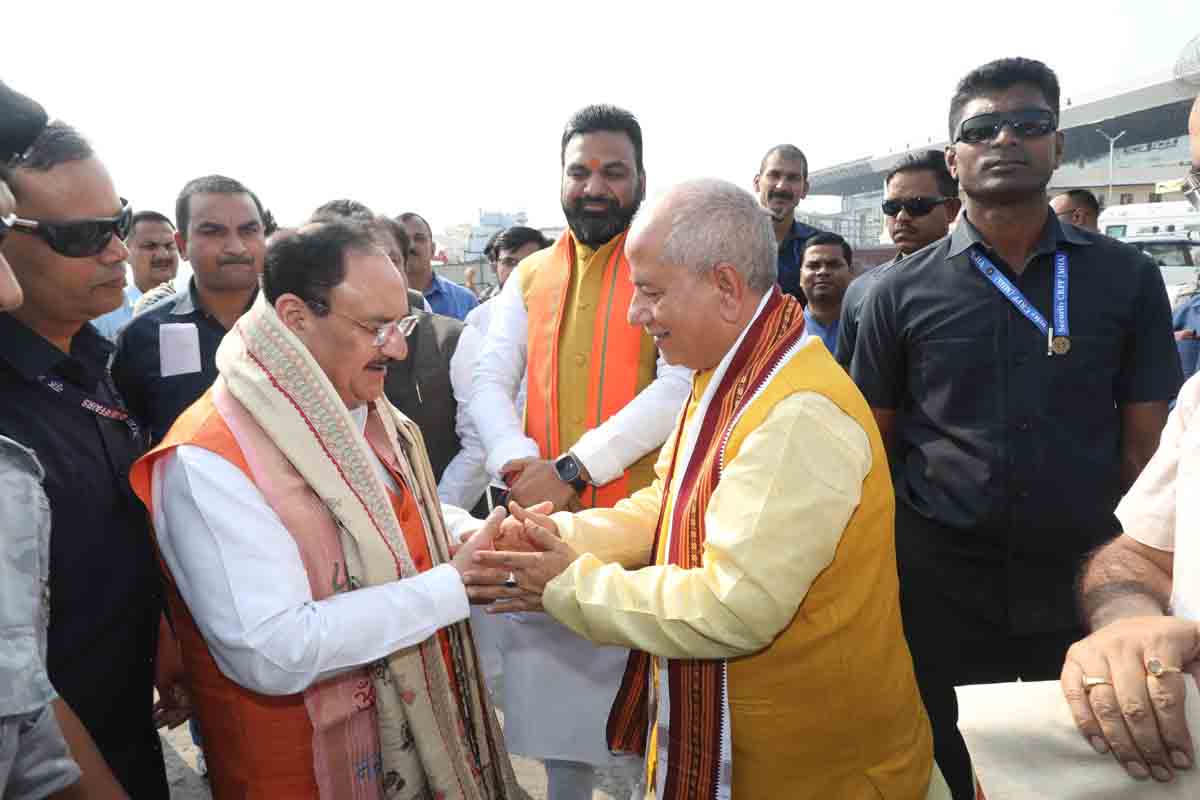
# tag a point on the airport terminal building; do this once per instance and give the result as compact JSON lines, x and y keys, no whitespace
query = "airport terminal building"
{"x":1149,"y":159}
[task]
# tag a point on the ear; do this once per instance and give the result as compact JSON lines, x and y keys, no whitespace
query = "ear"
{"x":732,"y":290}
{"x":952,"y":208}
{"x":293,"y":312}
{"x":952,"y":160}
{"x":181,"y":245}
{"x":756,"y":177}
{"x":803,"y":193}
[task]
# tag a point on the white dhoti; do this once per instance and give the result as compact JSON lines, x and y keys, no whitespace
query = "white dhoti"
{"x":558,"y":690}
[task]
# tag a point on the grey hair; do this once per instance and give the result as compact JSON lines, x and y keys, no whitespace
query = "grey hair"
{"x":716,"y":222}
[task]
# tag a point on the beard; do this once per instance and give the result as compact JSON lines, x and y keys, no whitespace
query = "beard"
{"x":595,"y":228}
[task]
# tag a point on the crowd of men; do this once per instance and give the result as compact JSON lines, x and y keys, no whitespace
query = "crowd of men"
{"x":727,"y":519}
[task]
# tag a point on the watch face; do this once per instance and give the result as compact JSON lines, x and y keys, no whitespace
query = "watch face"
{"x":567,"y":469}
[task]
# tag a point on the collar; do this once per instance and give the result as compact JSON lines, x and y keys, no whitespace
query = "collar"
{"x":188,"y":302}
{"x":965,"y":235}
{"x":32,"y":356}
{"x":359,"y":416}
{"x":435,"y":286}
{"x":797,"y":231}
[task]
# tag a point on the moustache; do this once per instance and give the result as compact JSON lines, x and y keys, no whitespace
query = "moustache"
{"x":611,"y":206}
{"x":780,"y":195}
{"x":162,"y":264}
{"x":232,"y":260}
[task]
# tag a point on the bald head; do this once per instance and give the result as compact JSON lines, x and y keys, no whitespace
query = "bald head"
{"x":705,"y":222}
{"x":701,"y":257}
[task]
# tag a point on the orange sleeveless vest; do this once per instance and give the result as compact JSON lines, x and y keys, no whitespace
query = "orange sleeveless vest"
{"x":617,"y":372}
{"x":256,"y":745}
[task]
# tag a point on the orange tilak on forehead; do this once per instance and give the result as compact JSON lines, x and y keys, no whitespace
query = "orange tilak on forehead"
{"x":594,"y":163}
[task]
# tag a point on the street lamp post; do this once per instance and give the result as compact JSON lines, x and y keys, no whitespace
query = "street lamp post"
{"x":1112,"y":146}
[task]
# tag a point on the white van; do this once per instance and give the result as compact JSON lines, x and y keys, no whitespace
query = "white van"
{"x":1149,"y":220}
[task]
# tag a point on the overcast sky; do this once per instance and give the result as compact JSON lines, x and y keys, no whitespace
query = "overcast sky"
{"x":447,"y":108}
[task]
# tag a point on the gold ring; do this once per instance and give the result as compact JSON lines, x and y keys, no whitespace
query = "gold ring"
{"x":1156,"y":668}
{"x":1092,"y":683}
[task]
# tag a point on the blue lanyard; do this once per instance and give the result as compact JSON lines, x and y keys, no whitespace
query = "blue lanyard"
{"x":1058,"y":337}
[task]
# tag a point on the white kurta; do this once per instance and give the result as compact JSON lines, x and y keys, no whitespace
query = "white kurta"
{"x":241,"y":575}
{"x":558,"y":687}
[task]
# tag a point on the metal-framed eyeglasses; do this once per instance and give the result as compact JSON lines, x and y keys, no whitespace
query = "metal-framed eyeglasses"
{"x":404,"y":326}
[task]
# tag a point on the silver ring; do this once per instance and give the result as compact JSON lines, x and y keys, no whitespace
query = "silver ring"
{"x":511,"y":581}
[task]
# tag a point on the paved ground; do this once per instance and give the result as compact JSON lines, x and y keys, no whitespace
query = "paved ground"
{"x":187,"y":784}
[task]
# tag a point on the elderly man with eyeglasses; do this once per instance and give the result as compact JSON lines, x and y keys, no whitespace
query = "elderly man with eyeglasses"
{"x":320,"y":611}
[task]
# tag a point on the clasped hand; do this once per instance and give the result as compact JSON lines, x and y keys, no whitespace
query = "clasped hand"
{"x":525,"y":554}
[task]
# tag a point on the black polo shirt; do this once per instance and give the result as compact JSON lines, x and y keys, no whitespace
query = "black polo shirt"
{"x":105,"y":594}
{"x":155,"y":400}
{"x":852,"y":303}
{"x":1012,"y":455}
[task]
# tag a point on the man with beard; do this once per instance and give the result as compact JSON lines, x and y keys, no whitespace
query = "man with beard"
{"x":166,"y":357}
{"x":1020,"y":370}
{"x":824,"y":276}
{"x":441,"y":295}
{"x":781,"y":183}
{"x":600,"y":404}
{"x":920,"y":200}
{"x":154,"y":260}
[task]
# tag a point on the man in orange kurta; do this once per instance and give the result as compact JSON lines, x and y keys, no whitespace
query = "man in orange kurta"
{"x":320,"y":613}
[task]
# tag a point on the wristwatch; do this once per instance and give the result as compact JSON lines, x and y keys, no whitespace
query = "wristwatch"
{"x":570,"y":471}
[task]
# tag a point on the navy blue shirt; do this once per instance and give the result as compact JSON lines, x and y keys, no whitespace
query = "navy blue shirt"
{"x":137,"y":367}
{"x":104,"y":582}
{"x":791,"y":254}
{"x":449,"y":299}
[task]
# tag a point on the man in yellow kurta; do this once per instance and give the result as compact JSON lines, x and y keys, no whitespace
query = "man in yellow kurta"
{"x":758,"y":572}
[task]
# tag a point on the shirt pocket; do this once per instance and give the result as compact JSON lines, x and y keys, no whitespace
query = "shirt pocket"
{"x":1084,"y":378}
{"x":956,"y":380}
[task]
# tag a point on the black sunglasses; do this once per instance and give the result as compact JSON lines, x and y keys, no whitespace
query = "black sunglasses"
{"x":915,"y":206}
{"x":1027,"y":123}
{"x":78,"y":238}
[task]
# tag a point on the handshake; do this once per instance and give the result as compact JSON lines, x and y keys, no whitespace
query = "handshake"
{"x":507,"y":563}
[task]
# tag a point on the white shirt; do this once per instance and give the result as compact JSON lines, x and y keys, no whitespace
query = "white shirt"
{"x":608,"y":449}
{"x":240,"y":573}
{"x":465,"y":478}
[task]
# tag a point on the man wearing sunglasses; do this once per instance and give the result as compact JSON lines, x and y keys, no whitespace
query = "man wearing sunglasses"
{"x":920,"y":200}
{"x":1021,"y":370}
{"x":56,"y":397}
{"x":43,"y":745}
{"x":166,"y":357}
